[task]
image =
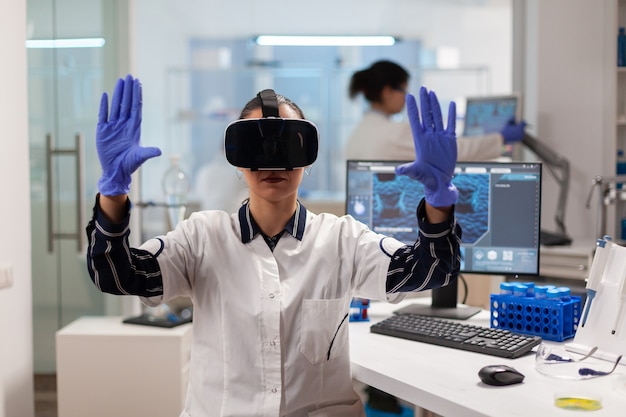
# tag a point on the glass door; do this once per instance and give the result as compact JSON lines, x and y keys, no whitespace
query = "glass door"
{"x":64,"y":87}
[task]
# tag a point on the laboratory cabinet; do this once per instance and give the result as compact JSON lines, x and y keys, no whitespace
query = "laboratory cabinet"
{"x":108,"y":368}
{"x":567,"y":262}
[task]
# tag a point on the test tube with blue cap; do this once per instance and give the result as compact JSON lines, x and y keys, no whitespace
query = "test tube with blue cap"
{"x":541,"y":291}
{"x":506,"y":288}
{"x":520,"y":290}
{"x":595,"y":274}
{"x":530,"y":289}
{"x":558,"y":294}
{"x":523,"y":289}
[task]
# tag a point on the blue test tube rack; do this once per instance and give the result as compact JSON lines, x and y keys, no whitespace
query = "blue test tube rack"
{"x":555,"y":320}
{"x":358,"y":309}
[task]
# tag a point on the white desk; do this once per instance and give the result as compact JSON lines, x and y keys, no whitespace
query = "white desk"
{"x":106,"y":368}
{"x":445,"y":381}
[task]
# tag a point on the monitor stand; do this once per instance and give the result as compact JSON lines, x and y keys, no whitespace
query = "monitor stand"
{"x":443,"y":305}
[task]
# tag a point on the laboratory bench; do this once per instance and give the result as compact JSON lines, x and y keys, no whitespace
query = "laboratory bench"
{"x":106,"y":367}
{"x":445,"y":381}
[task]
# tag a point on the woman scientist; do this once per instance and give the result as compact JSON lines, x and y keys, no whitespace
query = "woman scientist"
{"x":378,"y":136}
{"x":272,"y":283}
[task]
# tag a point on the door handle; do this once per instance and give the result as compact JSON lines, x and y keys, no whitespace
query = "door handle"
{"x":77,"y":152}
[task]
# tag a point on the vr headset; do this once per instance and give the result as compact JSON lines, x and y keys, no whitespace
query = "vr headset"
{"x":271,"y":143}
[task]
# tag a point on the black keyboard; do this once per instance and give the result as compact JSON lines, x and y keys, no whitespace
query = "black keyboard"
{"x":457,"y":335}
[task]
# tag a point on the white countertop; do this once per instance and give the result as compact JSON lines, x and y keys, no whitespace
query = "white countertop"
{"x":445,"y":380}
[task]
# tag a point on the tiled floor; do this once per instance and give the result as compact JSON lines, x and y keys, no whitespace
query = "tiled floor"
{"x":46,"y":396}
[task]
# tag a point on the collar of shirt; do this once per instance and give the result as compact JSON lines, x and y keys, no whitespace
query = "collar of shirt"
{"x":378,"y":113}
{"x":249,"y":228}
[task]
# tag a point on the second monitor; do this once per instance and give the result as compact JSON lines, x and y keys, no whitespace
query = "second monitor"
{"x":489,"y":114}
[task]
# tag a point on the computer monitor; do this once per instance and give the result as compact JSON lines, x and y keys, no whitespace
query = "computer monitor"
{"x":499,"y":210}
{"x":489,"y":114}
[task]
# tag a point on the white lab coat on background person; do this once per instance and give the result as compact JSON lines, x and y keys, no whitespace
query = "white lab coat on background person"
{"x":378,"y":136}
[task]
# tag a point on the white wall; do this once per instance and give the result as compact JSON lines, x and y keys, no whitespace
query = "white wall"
{"x":565,"y":66}
{"x":16,"y":369}
{"x":566,"y":69}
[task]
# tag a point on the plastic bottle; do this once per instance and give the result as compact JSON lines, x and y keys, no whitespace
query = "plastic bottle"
{"x":621,"y":47}
{"x":176,"y":187}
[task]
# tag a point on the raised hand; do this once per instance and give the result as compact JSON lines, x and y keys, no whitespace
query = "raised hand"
{"x":118,"y":137}
{"x":435,"y":149}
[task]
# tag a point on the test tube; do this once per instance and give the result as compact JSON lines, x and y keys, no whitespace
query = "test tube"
{"x":506,"y":288}
{"x":558,"y":294}
{"x":541,"y":290}
{"x":519,"y":290}
{"x":565,"y":293}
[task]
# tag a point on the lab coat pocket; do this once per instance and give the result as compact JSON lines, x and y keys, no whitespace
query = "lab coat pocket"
{"x":324,"y":329}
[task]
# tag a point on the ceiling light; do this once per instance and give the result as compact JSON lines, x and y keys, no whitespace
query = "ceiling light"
{"x":284,"y":40}
{"x":66,"y":43}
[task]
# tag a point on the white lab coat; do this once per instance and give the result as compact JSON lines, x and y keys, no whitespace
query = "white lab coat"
{"x":377,"y":136}
{"x":264,"y":322}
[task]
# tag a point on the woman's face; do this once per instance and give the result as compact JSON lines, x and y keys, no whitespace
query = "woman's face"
{"x":274,"y":186}
{"x":394,"y":99}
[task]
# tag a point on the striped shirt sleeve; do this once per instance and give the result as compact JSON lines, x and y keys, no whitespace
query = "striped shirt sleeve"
{"x":433,"y":261}
{"x":114,"y":266}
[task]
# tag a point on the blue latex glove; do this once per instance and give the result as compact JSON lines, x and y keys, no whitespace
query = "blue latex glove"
{"x":513,"y":132}
{"x":118,"y":137}
{"x":435,"y":149}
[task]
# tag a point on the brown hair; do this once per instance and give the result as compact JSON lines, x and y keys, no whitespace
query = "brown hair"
{"x":255,"y":103}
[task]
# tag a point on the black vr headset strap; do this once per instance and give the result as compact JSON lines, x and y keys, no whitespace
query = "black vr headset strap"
{"x":269,"y":103}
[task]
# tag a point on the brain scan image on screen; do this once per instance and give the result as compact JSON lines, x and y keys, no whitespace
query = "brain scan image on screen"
{"x":395,"y":198}
{"x":391,"y":207}
{"x":498,"y":209}
{"x":472,"y":208}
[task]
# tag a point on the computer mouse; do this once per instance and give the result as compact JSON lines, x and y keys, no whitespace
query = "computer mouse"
{"x":500,"y":375}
